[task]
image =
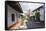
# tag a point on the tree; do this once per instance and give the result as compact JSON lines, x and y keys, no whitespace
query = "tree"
{"x":37,"y":16}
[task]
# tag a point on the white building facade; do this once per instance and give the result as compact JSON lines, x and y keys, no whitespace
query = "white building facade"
{"x":10,"y":12}
{"x":42,"y":13}
{"x":13,"y":13}
{"x":41,"y":10}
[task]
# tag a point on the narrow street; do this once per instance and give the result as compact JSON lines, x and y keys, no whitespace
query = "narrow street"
{"x":29,"y":25}
{"x":21,"y":15}
{"x":32,"y":24}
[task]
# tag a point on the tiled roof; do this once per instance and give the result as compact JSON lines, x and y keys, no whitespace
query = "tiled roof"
{"x":15,"y":5}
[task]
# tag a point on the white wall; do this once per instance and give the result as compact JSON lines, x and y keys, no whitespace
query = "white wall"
{"x":42,"y":13}
{"x":10,"y":11}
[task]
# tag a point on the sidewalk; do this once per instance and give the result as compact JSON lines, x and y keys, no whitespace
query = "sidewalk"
{"x":16,"y":26}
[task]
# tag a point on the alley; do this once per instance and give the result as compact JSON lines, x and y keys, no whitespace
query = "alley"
{"x":24,"y":15}
{"x":32,"y":24}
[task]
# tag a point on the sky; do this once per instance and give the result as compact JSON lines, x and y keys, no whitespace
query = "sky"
{"x":29,"y":6}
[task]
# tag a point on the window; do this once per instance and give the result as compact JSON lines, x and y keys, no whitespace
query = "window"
{"x":13,"y":17}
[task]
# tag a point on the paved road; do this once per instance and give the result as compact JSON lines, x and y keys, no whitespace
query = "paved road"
{"x":32,"y":24}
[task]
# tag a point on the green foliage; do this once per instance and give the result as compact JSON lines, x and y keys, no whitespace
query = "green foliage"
{"x":37,"y":15}
{"x":23,"y":17}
